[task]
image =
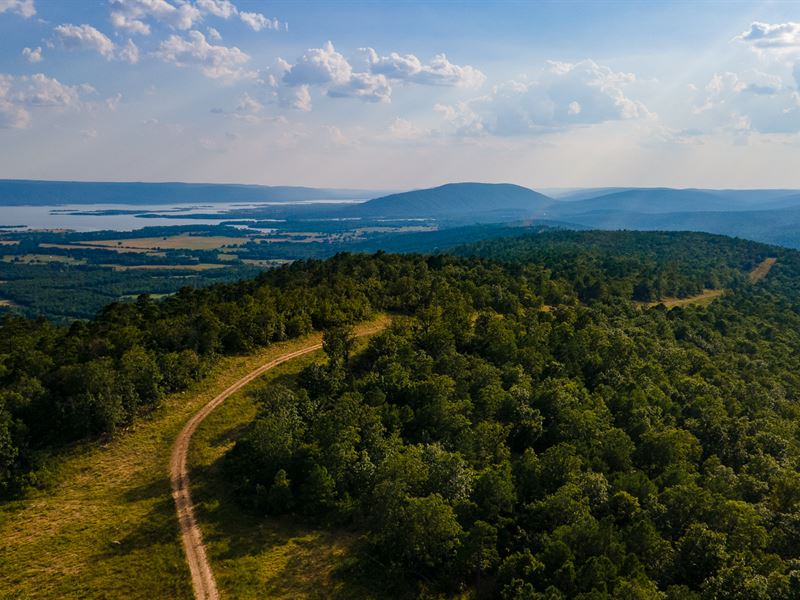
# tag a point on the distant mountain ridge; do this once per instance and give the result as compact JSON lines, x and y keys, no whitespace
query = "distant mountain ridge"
{"x":769,"y":215}
{"x":33,"y":192}
{"x":469,"y":200}
{"x":668,"y":200}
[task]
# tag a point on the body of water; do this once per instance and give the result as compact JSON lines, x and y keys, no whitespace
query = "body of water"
{"x":68,"y":216}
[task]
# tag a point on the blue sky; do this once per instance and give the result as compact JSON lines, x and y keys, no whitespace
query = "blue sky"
{"x":398,"y":95}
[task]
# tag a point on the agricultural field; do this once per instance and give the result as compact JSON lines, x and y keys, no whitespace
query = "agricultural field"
{"x":187,"y":242}
{"x":120,"y":249}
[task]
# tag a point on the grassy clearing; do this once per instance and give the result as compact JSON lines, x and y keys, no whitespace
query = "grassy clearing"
{"x":762,"y":270}
{"x":708,"y":296}
{"x":252,"y":556}
{"x":704,"y":299}
{"x":105,"y":527}
{"x":188,"y":242}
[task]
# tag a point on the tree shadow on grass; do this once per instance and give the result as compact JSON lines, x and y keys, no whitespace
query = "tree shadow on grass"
{"x":293,"y":559}
{"x":159,"y":527}
{"x":156,"y":488}
{"x":138,"y":557}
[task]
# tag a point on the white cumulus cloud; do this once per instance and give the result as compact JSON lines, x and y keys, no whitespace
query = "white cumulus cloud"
{"x":19,"y":95}
{"x":563,"y":95}
{"x":257,"y":21}
{"x":131,"y":15}
{"x":32,"y":55}
{"x":129,"y":52}
{"x":24,"y":8}
{"x":371,"y":80}
{"x":223,"y":9}
{"x":407,"y":67}
{"x":135,"y":16}
{"x":298,"y":98}
{"x":214,"y":61}
{"x":84,"y":37}
{"x":779,"y":39}
{"x":749,"y":101}
{"x":249,"y":106}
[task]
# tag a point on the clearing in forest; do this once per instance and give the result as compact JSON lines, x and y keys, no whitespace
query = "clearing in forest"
{"x":703,"y":299}
{"x":709,"y":295}
{"x":762,"y":270}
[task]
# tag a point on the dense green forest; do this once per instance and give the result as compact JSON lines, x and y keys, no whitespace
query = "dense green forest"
{"x":524,"y":429}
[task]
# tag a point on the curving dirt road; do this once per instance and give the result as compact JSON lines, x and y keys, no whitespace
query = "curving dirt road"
{"x":205,"y":587}
{"x":203,"y":582}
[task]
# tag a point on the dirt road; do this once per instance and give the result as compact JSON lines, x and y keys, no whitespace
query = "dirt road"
{"x":203,"y":582}
{"x":205,"y":587}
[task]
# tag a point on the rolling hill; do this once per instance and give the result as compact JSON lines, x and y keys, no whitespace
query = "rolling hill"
{"x":469,"y":201}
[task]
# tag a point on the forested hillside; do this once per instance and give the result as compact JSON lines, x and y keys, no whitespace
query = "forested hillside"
{"x":524,"y":430}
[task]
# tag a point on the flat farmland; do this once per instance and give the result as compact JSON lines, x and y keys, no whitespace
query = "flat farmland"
{"x":120,"y":249}
{"x":186,"y":242}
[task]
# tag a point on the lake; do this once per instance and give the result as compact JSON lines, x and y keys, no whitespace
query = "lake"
{"x":65,"y":216}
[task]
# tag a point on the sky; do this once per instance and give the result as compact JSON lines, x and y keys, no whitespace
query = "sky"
{"x":398,"y":95}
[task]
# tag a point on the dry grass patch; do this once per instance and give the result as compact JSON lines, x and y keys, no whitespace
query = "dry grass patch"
{"x":704,"y":299}
{"x":762,"y":270}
